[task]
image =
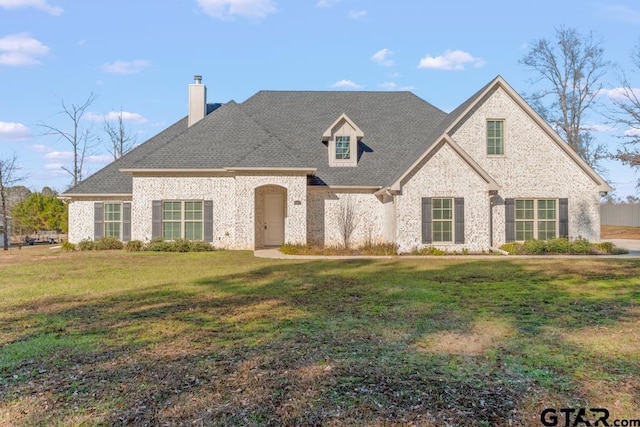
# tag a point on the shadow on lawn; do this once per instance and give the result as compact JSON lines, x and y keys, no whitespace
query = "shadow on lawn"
{"x":334,"y":342}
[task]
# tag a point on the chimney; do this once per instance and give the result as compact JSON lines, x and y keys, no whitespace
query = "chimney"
{"x":197,"y":100}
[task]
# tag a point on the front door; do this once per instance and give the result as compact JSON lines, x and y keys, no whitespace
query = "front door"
{"x":274,"y":219}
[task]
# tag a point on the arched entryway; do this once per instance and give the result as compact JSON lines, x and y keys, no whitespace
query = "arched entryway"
{"x":271,"y":210}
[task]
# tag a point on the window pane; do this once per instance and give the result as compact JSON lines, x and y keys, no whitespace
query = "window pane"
{"x":170,"y":230}
{"x":442,"y":224}
{"x":193,"y":230}
{"x":112,"y":211}
{"x":546,"y":230}
{"x":495,"y":137}
{"x":524,"y":230}
{"x":193,"y":211}
{"x":171,"y":211}
{"x":343,"y":149}
{"x":112,"y":229}
{"x":524,"y":209}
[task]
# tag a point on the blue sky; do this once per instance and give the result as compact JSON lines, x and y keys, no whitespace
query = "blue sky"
{"x":139,"y":57}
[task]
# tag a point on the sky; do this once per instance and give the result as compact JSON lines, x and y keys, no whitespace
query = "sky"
{"x":138,"y":57}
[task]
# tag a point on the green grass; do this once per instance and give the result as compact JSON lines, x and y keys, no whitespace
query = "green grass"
{"x":224,"y":338}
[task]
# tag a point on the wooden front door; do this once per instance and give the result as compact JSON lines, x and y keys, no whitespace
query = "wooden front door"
{"x":274,"y":219}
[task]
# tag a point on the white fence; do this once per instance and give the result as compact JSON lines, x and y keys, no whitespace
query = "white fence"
{"x":627,"y":214}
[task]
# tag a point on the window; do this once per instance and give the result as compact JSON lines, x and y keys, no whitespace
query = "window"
{"x":343,"y":148}
{"x":442,"y":220}
{"x":495,"y":137}
{"x":182,"y":219}
{"x":536,"y":219}
{"x":112,"y":220}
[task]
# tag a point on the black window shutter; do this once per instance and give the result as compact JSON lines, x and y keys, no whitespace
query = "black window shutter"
{"x":510,"y":220}
{"x":458,"y":204}
{"x":98,"y":220}
{"x":208,"y":221}
{"x":563,"y":215}
{"x":426,"y":220}
{"x":126,"y":221}
{"x":156,"y":219}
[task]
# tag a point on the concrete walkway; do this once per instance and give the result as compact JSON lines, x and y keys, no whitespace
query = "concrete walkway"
{"x":633,"y":246}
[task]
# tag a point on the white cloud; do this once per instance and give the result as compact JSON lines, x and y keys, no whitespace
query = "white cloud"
{"x":391,"y":86}
{"x":451,"y":60}
{"x":10,"y":131}
{"x":228,"y":9}
{"x":113,"y":116}
{"x":600,"y":127}
{"x":21,"y":49}
{"x":357,"y":14}
{"x":40,"y":148}
{"x":346,"y":84}
{"x":42,"y":5}
{"x":623,"y":13}
{"x":125,"y":67}
{"x":632,"y":132}
{"x":381,"y":57}
{"x":327,"y":3}
{"x":618,"y":93}
{"x":59,"y":156}
{"x":53,"y":166}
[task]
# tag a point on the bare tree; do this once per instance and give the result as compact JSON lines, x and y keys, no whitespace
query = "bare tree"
{"x":80,"y":138}
{"x":347,"y":219}
{"x":8,"y":178}
{"x":573,"y":65}
{"x":122,"y":141}
{"x":626,"y":110}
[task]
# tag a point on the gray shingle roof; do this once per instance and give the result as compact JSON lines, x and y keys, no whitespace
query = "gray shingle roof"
{"x":284,"y":129}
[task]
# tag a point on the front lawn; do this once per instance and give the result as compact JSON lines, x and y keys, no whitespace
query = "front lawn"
{"x":223,"y":338}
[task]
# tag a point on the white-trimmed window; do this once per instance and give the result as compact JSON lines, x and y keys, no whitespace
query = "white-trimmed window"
{"x":113,"y":220}
{"x":536,"y":219}
{"x":343,"y":147}
{"x":495,"y":137}
{"x":442,"y":220}
{"x":182,"y":220}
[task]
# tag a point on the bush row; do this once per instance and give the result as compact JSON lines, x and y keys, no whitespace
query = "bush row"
{"x":156,"y":245}
{"x":561,"y":246}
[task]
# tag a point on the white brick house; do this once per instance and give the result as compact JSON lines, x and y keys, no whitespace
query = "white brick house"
{"x":283,"y":166}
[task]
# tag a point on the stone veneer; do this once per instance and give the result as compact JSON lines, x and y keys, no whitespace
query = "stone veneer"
{"x":234,"y":206}
{"x":533,"y":165}
{"x":372,"y":223}
{"x":445,"y":174}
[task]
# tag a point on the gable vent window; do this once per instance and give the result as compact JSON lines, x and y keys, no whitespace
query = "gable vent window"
{"x":343,"y":148}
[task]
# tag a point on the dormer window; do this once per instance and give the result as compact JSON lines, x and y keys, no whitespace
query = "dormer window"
{"x":343,"y":149}
{"x":342,"y":140}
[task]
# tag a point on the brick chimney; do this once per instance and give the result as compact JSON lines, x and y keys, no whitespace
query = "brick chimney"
{"x":197,"y":100}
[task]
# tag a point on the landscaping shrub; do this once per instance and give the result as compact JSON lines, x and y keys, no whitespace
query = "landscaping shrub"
{"x":580,"y":247}
{"x":68,"y":247}
{"x":429,"y":250}
{"x":379,"y":249}
{"x":513,"y":248}
{"x":108,"y":243}
{"x":558,"y":246}
{"x":159,"y":245}
{"x":180,"y":245}
{"x":199,"y":246}
{"x":535,"y":247}
{"x":86,"y":245}
{"x":134,"y":246}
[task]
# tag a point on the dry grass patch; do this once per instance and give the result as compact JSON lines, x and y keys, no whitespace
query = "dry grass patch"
{"x":619,"y":232}
{"x":483,"y":336}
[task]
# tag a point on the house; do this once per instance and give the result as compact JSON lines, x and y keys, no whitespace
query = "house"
{"x":302,"y":166}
